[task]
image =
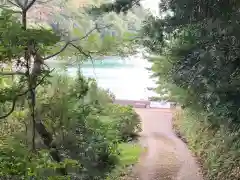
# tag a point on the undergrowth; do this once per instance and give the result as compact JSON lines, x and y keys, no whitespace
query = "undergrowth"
{"x":218,"y":149}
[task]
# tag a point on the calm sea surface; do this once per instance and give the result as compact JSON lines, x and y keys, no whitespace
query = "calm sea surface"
{"x":126,"y":78}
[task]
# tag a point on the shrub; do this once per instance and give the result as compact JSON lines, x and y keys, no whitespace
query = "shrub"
{"x":14,"y":161}
{"x":126,"y":120}
{"x":89,"y":141}
{"x":73,"y":116}
{"x":217,"y":149}
{"x":17,"y":162}
{"x":86,"y":129}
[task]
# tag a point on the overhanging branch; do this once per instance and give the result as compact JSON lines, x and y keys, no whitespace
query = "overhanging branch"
{"x":25,"y":6}
{"x":86,"y":54}
{"x":57,"y":53}
{"x":16,"y":3}
{"x":29,"y":5}
{"x":25,"y":3}
{"x":81,"y":50}
{"x":74,"y":40}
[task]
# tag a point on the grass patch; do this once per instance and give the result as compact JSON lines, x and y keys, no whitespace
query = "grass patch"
{"x":129,"y":154}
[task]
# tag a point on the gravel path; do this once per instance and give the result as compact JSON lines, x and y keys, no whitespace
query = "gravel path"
{"x":166,"y":156}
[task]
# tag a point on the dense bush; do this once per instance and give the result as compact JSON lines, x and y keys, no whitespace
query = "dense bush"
{"x":125,"y":120}
{"x":17,"y":162}
{"x":14,"y":160}
{"x":73,"y":116}
{"x":85,"y":125}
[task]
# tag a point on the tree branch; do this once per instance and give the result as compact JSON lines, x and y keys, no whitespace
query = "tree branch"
{"x":30,"y":5}
{"x":14,"y":100}
{"x":136,"y":2}
{"x":24,"y":6}
{"x":87,"y":55}
{"x":57,"y":53}
{"x":17,"y":4}
{"x":80,"y":50}
{"x":25,"y":3}
{"x":71,"y":41}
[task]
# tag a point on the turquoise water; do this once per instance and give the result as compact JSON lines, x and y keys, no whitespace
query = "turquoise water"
{"x":126,"y":78}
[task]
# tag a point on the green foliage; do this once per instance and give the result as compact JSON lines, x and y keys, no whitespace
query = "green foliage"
{"x":61,"y":119}
{"x":116,"y":6}
{"x":13,"y":160}
{"x":129,"y":155}
{"x":86,"y":126}
{"x":105,"y":34}
{"x":126,"y":120}
{"x":200,"y":58}
{"x":218,"y":150}
{"x":18,"y":163}
{"x":196,"y":58}
{"x":14,"y":38}
{"x":86,"y":132}
{"x":72,"y":115}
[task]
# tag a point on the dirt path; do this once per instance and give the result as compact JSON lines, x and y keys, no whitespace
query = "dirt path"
{"x":167,"y":155}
